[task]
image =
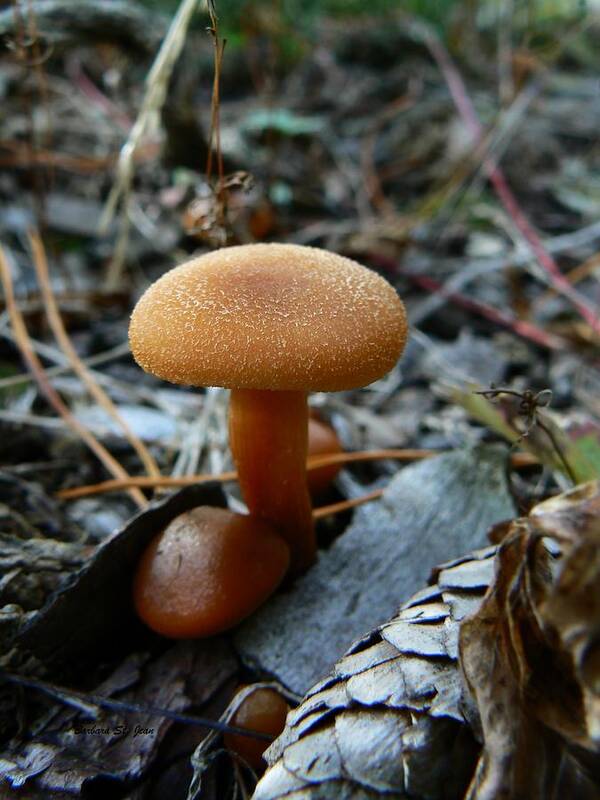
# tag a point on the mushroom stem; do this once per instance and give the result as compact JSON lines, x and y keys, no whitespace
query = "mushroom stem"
{"x":268,"y":436}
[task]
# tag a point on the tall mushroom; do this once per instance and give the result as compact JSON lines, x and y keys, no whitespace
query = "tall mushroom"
{"x":271,"y":322}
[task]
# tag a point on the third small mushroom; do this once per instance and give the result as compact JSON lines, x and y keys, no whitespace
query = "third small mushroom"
{"x":271,"y":322}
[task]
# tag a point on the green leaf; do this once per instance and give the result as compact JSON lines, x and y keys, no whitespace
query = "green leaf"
{"x":283,"y":121}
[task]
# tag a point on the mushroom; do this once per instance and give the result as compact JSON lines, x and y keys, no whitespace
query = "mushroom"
{"x":322,"y":441}
{"x":206,"y":571}
{"x":263,"y":710}
{"x":271,"y":322}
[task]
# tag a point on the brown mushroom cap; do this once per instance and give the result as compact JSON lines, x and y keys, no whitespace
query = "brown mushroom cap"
{"x":264,"y":710}
{"x":206,"y":571}
{"x":269,"y":316}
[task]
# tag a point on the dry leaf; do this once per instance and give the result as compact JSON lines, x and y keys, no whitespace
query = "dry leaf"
{"x":530,"y":656}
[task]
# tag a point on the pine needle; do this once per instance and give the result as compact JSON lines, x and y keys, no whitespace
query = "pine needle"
{"x":518,"y":460}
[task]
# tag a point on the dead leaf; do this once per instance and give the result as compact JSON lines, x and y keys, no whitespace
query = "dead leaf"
{"x":530,"y":658}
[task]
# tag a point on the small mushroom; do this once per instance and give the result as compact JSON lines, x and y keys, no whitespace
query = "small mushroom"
{"x":322,"y":441}
{"x":264,"y":710}
{"x":206,"y":571}
{"x":271,"y":322}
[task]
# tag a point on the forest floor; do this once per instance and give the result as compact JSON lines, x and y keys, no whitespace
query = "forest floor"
{"x":466,"y":170}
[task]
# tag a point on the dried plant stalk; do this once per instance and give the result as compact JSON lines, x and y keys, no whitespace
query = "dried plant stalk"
{"x":58,"y":329}
{"x":35,"y":365}
{"x":157,"y":83}
{"x":517,"y":460}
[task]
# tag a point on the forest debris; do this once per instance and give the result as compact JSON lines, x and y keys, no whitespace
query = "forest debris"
{"x":35,"y":365}
{"x":33,"y":568}
{"x":157,"y":82}
{"x":68,"y":752}
{"x":62,"y":21}
{"x":84,"y":374}
{"x":473,"y":358}
{"x":204,"y":753}
{"x":517,"y":417}
{"x":531,"y":701}
{"x":430,"y":511}
{"x":150,"y":424}
{"x":26,"y":511}
{"x":496,"y":177}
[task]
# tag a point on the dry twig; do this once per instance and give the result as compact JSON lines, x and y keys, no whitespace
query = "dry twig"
{"x":157,"y":83}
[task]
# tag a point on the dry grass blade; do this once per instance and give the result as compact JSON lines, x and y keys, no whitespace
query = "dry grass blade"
{"x":345,"y":505}
{"x":314,"y":462}
{"x":34,"y":364}
{"x":58,"y":329}
{"x":164,"y":482}
{"x":215,"y":127}
{"x":99,"y":358}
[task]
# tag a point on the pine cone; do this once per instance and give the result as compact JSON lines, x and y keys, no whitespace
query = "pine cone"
{"x":515,"y":715}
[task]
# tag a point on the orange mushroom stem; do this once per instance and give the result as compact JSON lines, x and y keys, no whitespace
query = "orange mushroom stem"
{"x":268,"y":437}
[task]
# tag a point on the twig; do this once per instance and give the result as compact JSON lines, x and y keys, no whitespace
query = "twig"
{"x":58,"y":329}
{"x":215,"y":106}
{"x":521,"y":327}
{"x":345,"y":505}
{"x":165,"y":482}
{"x":314,"y":462}
{"x":35,"y":365}
{"x":214,"y":139}
{"x":85,"y":701}
{"x":467,"y":111}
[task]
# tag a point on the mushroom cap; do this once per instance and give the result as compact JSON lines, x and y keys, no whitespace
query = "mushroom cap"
{"x":206,"y":571}
{"x":263,"y":710}
{"x":269,"y":316}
